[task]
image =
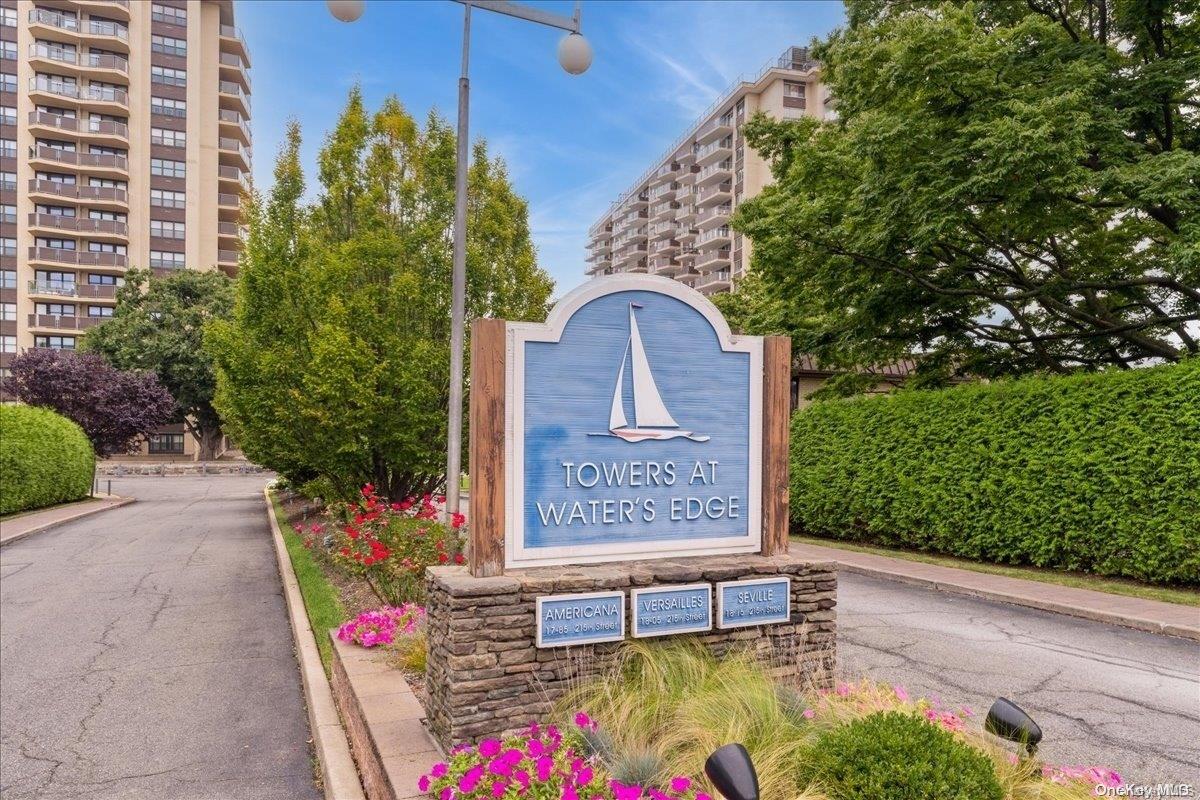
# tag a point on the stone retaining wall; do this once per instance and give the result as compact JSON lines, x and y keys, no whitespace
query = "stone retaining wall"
{"x":486,"y":678}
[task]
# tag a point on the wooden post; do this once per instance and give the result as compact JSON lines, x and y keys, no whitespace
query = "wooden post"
{"x":777,"y":381}
{"x":486,"y":517}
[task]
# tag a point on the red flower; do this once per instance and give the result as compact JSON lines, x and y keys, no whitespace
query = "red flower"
{"x":440,"y":544}
{"x":443,"y":558}
{"x":353,"y":534}
{"x":368,"y":490}
{"x":458,"y":558}
{"x":345,"y":551}
{"x":359,"y":519}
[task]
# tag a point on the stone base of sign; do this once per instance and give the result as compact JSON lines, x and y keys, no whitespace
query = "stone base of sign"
{"x":486,"y":678}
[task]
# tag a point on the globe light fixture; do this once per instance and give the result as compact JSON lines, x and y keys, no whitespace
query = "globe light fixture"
{"x":346,"y":10}
{"x":574,"y":53}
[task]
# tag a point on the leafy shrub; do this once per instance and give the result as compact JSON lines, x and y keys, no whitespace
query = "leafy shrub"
{"x":44,"y":459}
{"x":1093,"y":472}
{"x":898,"y":756}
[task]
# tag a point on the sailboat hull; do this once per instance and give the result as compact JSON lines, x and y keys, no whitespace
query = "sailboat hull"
{"x":644,"y":434}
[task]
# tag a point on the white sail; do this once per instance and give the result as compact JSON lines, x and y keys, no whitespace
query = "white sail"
{"x":648,"y":408}
{"x":616,"y":417}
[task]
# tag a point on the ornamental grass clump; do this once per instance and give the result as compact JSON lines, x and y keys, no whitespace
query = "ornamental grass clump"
{"x":544,"y":763}
{"x":898,"y":756}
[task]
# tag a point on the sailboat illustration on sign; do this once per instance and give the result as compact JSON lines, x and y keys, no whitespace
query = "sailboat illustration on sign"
{"x":651,"y":418}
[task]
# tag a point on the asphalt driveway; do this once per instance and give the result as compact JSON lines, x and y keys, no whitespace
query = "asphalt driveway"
{"x":146,"y":653}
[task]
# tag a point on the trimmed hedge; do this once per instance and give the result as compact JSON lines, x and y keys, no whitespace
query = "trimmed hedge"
{"x":45,"y":459}
{"x":1093,"y":472}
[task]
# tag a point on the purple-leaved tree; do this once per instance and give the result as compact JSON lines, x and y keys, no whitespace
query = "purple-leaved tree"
{"x":114,"y":407}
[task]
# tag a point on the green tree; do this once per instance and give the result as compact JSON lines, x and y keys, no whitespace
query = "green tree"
{"x":158,"y":325}
{"x":1008,"y":187}
{"x":335,"y":365}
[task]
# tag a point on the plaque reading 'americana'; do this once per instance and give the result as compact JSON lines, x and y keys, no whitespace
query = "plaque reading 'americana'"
{"x":567,"y":619}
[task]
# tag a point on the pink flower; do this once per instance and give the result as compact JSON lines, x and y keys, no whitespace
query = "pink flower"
{"x":470,"y":779}
{"x":446,"y":794}
{"x":584,"y":776}
{"x":623,"y":792}
{"x":439,"y":770}
{"x":843,"y":690}
{"x":489,"y":747}
{"x":568,"y":793}
{"x":423,"y":783}
{"x":702,"y":796}
{"x":582,"y":720}
{"x":522,"y":777}
{"x":500,"y":767}
{"x":901,"y":693}
{"x":498,"y":789}
{"x":681,"y":784}
{"x":544,"y":766}
{"x":809,"y":713}
{"x":535,"y":748}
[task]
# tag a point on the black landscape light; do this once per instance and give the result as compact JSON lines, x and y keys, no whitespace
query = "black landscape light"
{"x":732,"y":773}
{"x":1007,"y":720}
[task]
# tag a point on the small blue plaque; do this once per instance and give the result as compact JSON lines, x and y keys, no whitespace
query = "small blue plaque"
{"x":763,"y":601}
{"x":662,"y":610}
{"x":566,"y":619}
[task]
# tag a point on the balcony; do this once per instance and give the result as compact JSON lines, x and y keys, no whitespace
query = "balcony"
{"x":717,"y":281}
{"x":664,"y":246}
{"x":65,"y":56}
{"x":686,"y":234}
{"x":233,"y":40}
{"x":233,"y":68}
{"x":664,"y":192}
{"x":712,"y":195}
{"x":663,"y":211}
{"x":664,"y":265}
{"x":233,"y":122}
{"x":53,"y":19}
{"x":714,"y":236}
{"x":83,"y":258}
{"x":663,"y":173}
{"x":228,"y":257}
{"x":688,"y":276}
{"x":86,"y":225}
{"x":686,"y":177}
{"x":54,"y":289}
{"x":102,"y":96}
{"x":714,"y":173}
{"x":707,"y":260}
{"x":229,"y":229}
{"x":714,"y":151}
{"x":91,"y":162}
{"x":235,"y":96}
{"x":662,"y":230}
{"x":227,"y":200}
{"x":714,"y":215}
{"x":715,"y":129}
{"x":98,"y":128}
{"x":233,"y":149}
{"x":64,"y":322}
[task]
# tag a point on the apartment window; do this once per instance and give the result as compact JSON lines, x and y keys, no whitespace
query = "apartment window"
{"x":8,"y":181}
{"x":8,"y":279}
{"x":55,"y":342}
{"x":111,"y":216}
{"x":166,"y":230}
{"x":163,"y":198}
{"x":100,"y":311}
{"x":168,"y":76}
{"x":102,"y":150}
{"x":8,"y":148}
{"x":8,"y":246}
{"x":99,"y":90}
{"x":168,"y":44}
{"x":8,"y":17}
{"x":57,"y":144}
{"x":793,"y":89}
{"x":166,"y":259}
{"x":42,"y":241}
{"x":8,"y":213}
{"x":107,"y":27}
{"x":106,"y":58}
{"x":9,"y":50}
{"x":56,"y":309}
{"x":107,"y":183}
{"x":168,"y":168}
{"x":168,"y":14}
{"x":8,"y":344}
{"x":8,"y":82}
{"x":57,"y":111}
{"x":8,"y":312}
{"x":105,"y":280}
{"x":168,"y":107}
{"x":55,"y":211}
{"x":55,"y":280}
{"x":8,"y":115}
{"x":168,"y":137}
{"x":106,"y":247}
{"x":96,"y":121}
{"x":64,"y":178}
{"x":166,"y":443}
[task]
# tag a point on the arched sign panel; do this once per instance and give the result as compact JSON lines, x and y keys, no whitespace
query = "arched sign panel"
{"x":633,"y":428}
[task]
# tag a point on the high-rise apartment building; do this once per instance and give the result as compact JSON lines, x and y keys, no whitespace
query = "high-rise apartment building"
{"x":124,"y":142}
{"x":674,"y":221}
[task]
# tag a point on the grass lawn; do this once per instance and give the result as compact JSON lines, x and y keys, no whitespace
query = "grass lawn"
{"x":321,"y":599}
{"x":1079,"y":580}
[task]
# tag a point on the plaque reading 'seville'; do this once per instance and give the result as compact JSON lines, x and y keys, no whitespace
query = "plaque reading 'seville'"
{"x":754,"y":602}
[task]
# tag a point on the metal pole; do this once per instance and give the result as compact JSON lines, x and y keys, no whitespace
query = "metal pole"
{"x":458,"y":292}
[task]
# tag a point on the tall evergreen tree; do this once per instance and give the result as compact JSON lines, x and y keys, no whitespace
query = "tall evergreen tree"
{"x":336,"y":363}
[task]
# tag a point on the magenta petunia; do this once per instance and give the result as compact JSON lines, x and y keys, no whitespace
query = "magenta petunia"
{"x":439,"y":769}
{"x":489,"y":748}
{"x":423,"y":783}
{"x":544,"y":766}
{"x":681,"y":784}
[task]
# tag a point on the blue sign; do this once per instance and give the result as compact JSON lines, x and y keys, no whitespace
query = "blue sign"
{"x":635,"y":428}
{"x":567,"y":619}
{"x":661,"y":610}
{"x":762,"y":601}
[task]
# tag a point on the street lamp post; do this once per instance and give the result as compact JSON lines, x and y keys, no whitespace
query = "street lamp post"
{"x":575,"y":56}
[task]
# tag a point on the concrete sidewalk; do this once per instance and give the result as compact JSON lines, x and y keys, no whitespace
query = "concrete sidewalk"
{"x":23,"y":525}
{"x":1132,"y":612}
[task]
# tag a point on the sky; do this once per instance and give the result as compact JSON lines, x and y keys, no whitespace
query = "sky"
{"x":572,"y":143}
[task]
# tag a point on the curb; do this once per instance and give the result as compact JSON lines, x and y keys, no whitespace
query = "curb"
{"x":1082,"y":612}
{"x":338,"y":771}
{"x":84,"y":512}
